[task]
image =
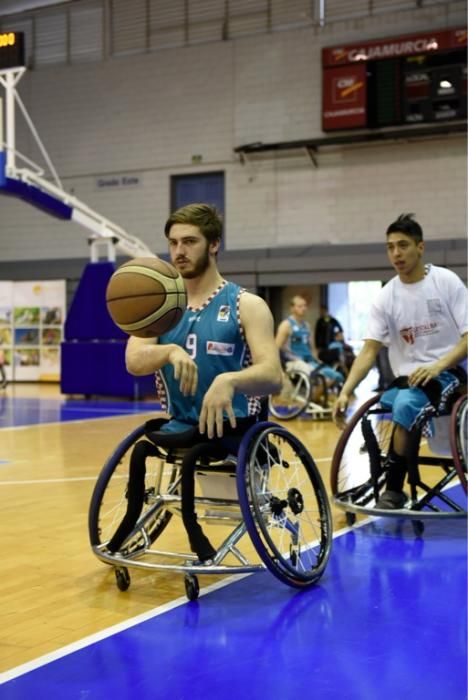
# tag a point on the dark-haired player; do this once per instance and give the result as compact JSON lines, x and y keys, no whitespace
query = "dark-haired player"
{"x":422,"y":316}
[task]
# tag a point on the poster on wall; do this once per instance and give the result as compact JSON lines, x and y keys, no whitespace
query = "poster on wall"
{"x":36,"y":328}
{"x":6,"y":325}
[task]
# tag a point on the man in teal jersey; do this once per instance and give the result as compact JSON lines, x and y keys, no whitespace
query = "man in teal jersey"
{"x":221,"y":357}
{"x":294,"y":339}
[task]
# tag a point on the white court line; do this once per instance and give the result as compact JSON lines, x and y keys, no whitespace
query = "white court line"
{"x":127,"y":624}
{"x":108,"y":632}
{"x":132,"y":622}
{"x":77,"y":422}
{"x":29,"y":482}
{"x":63,"y":480}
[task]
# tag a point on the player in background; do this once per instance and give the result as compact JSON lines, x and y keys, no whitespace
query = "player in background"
{"x":422,"y":316}
{"x":294,"y":340}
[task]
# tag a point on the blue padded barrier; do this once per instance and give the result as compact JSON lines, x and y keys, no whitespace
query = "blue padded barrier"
{"x":93,"y":353}
{"x":98,"y":369}
{"x":88,"y":317}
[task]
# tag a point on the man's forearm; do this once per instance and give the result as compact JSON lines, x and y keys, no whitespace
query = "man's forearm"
{"x":361,"y":366}
{"x":454,"y":356}
{"x":257,"y":380}
{"x":146,"y":359}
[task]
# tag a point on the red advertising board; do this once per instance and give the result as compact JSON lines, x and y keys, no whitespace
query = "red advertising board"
{"x":394,"y":47}
{"x":344,"y":97}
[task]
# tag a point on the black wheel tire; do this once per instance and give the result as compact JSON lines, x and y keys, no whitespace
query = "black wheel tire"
{"x":192,"y":587}
{"x":122,"y":578}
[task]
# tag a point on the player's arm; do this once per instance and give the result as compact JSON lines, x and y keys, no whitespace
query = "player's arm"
{"x":360,"y":368}
{"x":145,"y":356}
{"x":422,"y":375}
{"x":282,"y":335}
{"x":263,"y":377}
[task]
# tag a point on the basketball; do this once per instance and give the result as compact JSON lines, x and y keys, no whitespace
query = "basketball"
{"x":146,"y":297}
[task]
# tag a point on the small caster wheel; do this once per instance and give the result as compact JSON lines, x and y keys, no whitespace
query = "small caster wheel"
{"x":192,"y":588}
{"x":418,"y":527}
{"x":350,"y":518}
{"x":122,"y":578}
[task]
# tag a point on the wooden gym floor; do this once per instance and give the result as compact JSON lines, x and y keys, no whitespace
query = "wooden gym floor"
{"x":54,"y":591}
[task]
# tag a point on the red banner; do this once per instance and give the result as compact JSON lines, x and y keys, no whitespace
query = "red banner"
{"x":393,"y":47}
{"x":344,"y":97}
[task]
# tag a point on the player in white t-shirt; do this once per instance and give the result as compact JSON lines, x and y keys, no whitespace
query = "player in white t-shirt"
{"x":422,"y":316}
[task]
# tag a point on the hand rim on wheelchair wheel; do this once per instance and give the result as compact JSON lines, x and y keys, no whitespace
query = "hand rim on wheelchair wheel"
{"x":287,"y":570}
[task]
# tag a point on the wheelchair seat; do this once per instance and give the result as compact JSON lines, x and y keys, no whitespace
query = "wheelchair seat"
{"x":269,"y":492}
{"x":358,"y":466}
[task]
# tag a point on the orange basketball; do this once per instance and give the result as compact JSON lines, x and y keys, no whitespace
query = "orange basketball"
{"x":146,"y":297}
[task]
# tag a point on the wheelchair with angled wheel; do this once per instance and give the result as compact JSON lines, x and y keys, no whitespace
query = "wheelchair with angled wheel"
{"x":303,"y":392}
{"x":269,"y":496}
{"x":358,"y":471}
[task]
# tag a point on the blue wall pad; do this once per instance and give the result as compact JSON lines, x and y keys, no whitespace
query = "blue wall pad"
{"x":93,"y":354}
{"x":88,"y":318}
{"x":98,"y":369}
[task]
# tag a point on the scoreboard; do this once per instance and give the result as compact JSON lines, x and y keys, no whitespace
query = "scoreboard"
{"x":11,"y":50}
{"x":398,"y":81}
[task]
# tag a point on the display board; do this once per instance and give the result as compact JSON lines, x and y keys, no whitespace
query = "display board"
{"x":32,"y":315}
{"x":396,"y":81}
{"x":11,"y":50}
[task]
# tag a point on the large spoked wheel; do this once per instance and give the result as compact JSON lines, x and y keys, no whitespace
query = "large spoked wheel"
{"x":284,"y":505}
{"x":293,"y":397}
{"x":355,"y":475}
{"x":125,"y":518}
{"x":459,"y":438}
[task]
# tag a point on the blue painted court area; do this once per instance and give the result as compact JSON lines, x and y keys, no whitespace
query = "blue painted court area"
{"x":388,"y":620}
{"x":16,"y":412}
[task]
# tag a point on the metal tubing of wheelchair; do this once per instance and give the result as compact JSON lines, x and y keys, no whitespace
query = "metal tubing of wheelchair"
{"x":187,"y":568}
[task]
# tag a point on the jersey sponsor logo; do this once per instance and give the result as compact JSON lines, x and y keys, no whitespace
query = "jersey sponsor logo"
{"x":215,"y":348}
{"x":224,"y":313}
{"x":410,"y":334}
{"x":407,"y":335}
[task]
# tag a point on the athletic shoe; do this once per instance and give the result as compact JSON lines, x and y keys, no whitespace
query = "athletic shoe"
{"x":391,"y":500}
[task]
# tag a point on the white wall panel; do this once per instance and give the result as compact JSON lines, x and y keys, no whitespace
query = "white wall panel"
{"x":148,"y":114}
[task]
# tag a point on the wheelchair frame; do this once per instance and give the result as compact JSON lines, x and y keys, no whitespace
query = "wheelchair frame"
{"x":357,"y":477}
{"x":279,"y":516}
{"x":298,"y":397}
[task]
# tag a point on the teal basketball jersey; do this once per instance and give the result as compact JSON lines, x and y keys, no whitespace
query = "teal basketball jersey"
{"x":213,"y":337}
{"x":299,"y":340}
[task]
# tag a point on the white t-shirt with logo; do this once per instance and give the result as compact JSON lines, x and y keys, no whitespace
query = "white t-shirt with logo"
{"x":419,"y":322}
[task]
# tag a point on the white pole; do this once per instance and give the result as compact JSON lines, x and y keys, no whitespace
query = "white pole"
{"x":10,"y":120}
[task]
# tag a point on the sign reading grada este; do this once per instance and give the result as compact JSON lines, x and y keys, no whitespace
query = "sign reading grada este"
{"x":109,"y":182}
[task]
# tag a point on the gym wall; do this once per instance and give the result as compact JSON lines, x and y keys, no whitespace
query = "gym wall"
{"x":147,"y":115}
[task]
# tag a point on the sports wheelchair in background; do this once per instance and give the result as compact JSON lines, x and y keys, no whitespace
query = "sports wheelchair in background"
{"x":303,"y":392}
{"x":358,"y":465}
{"x":270,"y":490}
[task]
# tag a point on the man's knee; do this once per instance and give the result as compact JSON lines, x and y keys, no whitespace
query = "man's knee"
{"x":408,"y":406}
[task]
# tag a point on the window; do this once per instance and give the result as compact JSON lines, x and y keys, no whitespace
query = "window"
{"x":201,"y":187}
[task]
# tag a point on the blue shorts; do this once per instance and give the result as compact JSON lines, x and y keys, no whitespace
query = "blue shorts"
{"x":411,"y":407}
{"x":331,"y":373}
